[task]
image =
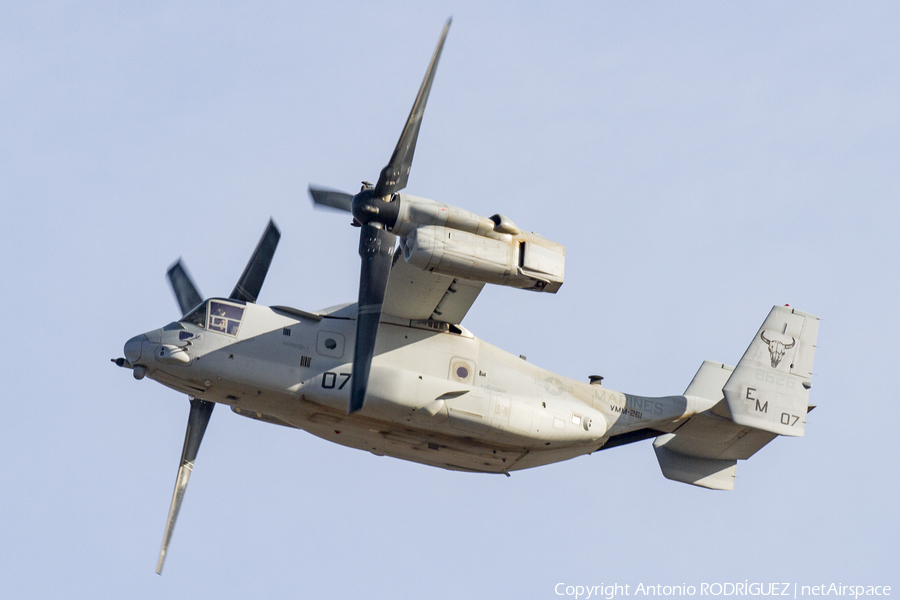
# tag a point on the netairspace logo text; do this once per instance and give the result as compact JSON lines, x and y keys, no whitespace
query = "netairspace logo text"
{"x":745,"y":588}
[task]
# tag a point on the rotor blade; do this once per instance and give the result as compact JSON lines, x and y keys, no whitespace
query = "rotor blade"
{"x":376,"y":248}
{"x":248,"y":286}
{"x":198,"y":419}
{"x":330,"y":198}
{"x":395,"y":175}
{"x":183,"y":287}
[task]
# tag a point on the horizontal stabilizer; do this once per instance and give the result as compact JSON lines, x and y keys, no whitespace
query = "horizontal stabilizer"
{"x":769,"y":389}
{"x":705,"y":449}
{"x":711,"y":473}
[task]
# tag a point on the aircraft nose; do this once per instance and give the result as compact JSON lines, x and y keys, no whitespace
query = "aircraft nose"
{"x":133,"y":348}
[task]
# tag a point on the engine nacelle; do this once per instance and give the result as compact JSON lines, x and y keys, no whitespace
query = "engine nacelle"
{"x":523,"y":260}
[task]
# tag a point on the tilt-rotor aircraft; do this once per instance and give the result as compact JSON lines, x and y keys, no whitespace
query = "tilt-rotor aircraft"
{"x":396,"y":374}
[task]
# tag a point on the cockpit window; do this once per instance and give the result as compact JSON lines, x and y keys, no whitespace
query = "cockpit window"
{"x":196,"y":317}
{"x":225,"y":318}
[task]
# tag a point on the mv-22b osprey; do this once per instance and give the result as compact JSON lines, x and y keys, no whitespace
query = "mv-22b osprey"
{"x":396,"y":374}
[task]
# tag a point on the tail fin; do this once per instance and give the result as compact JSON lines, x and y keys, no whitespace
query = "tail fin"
{"x":769,"y":388}
{"x":765,"y":395}
{"x":705,"y":450}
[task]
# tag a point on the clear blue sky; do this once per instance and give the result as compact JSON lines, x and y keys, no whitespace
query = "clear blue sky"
{"x":700,"y":161}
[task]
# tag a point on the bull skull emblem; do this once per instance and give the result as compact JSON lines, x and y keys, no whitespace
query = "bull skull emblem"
{"x":776,"y":348}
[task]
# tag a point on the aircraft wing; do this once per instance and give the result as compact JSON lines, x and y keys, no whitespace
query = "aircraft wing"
{"x":420,"y":295}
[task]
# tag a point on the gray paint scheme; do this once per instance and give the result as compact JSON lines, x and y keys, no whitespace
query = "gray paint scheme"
{"x":424,"y":389}
{"x":505,"y":414}
{"x":437,"y":395}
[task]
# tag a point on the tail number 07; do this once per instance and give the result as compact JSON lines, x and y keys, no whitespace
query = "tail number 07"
{"x":788,"y":419}
{"x":330,"y":380}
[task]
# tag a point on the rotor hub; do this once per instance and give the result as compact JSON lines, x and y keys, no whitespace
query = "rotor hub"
{"x":369,"y":210}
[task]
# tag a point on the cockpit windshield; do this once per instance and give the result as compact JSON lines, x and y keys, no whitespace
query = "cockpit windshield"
{"x":216,"y":315}
{"x":196,"y":317}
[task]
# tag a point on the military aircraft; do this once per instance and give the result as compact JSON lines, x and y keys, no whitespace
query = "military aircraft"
{"x":396,"y":373}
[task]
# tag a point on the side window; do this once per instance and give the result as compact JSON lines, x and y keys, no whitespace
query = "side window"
{"x":462,"y":370}
{"x":225,"y":318}
{"x":329,"y":343}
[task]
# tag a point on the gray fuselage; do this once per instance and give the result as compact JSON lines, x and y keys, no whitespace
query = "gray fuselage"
{"x":437,"y":394}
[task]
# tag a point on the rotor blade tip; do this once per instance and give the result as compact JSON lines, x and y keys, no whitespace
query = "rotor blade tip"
{"x":329,"y":198}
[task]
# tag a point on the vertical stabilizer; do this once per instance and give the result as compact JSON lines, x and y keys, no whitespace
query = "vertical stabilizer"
{"x":769,"y":389}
